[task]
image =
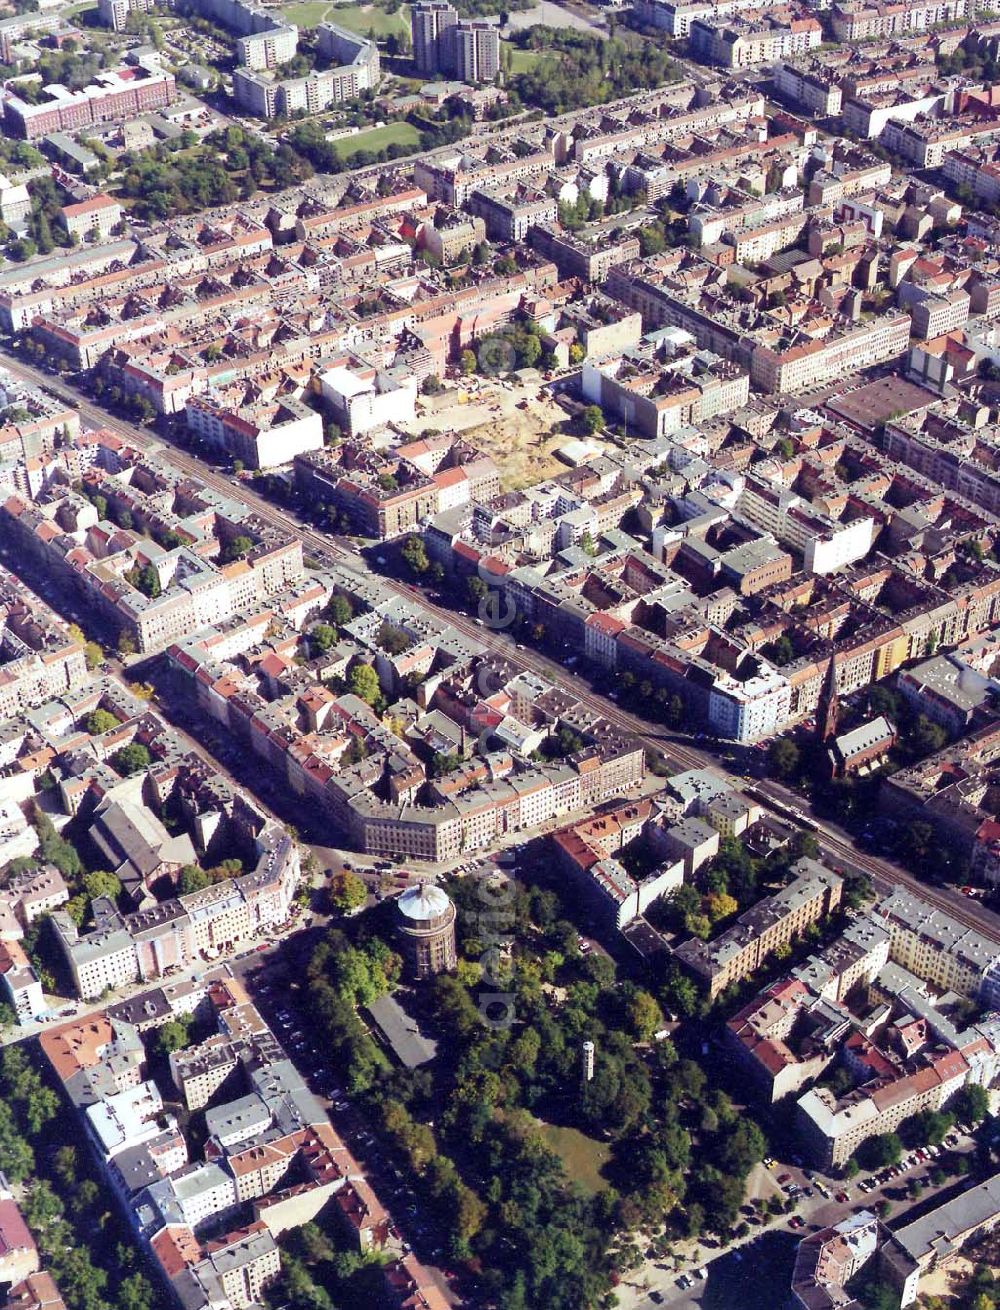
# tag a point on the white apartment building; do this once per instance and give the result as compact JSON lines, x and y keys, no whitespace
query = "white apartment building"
{"x":936,"y":947}
{"x":818,"y":93}
{"x":363,"y":399}
{"x":676,"y":16}
{"x":824,"y":543}
{"x":102,"y":961}
{"x":747,"y":711}
{"x":792,"y":368}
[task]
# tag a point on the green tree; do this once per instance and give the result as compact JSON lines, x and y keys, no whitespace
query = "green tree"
{"x":239,"y":546}
{"x":643,"y":1015}
{"x":363,"y":682}
{"x":340,"y":610}
{"x":414,"y":555}
{"x":783,"y":758}
{"x":172,"y":1036}
{"x":592,"y":419}
{"x":884,"y":1150}
{"x":971,"y":1104}
{"x":193,"y":879}
{"x":135,"y":1293}
{"x":323,"y":636}
{"x":133,"y":758}
{"x":347,"y":891}
{"x":100,"y":721}
{"x":102,"y":883}
{"x":66,"y":1164}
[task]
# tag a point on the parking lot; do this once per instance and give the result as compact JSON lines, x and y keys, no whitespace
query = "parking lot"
{"x":704,"y":1274}
{"x":275,"y":984}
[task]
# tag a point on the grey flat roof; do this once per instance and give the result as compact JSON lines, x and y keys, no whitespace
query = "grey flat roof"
{"x":943,"y":1229}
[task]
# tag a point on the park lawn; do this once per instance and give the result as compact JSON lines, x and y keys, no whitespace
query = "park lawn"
{"x":308,"y":13}
{"x":523,"y":61}
{"x":583,"y":1156}
{"x":404,"y":134}
{"x":365,"y":18}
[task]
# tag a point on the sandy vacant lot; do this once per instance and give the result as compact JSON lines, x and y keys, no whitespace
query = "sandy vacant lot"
{"x":511,"y":422}
{"x":940,"y":1281}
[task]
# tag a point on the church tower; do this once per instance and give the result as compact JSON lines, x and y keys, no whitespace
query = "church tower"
{"x":828,"y":709}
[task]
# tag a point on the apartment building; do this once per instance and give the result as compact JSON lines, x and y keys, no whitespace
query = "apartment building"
{"x":826,"y":1261}
{"x":98,"y":216}
{"x":746,"y":44}
{"x":933,"y":946}
{"x":943,"y":449}
{"x":430,"y":23}
{"x":813,"y":892}
{"x":354,"y":67}
{"x":655,"y":395}
{"x":122,"y":949}
{"x":832,"y":1130}
{"x":39,"y":659}
{"x":261,"y":435}
{"x":114,"y":13}
{"x":115,"y":94}
{"x":243,"y":1263}
{"x":443,"y":43}
{"x":475,"y":51}
{"x":813,"y":90}
{"x":974,"y":167}
{"x":511,"y":217}
{"x":591,"y":259}
{"x":935,"y":1240}
{"x":825,"y":544}
{"x":788,"y":366}
{"x":586,"y":850}
{"x":676,"y":16}
{"x":860,"y":22}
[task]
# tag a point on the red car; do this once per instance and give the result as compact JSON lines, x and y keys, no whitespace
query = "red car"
{"x":797,"y":1221}
{"x":784,"y":1178}
{"x":842,"y":1197}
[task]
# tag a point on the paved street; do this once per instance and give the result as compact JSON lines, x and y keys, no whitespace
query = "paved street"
{"x":681,"y":754}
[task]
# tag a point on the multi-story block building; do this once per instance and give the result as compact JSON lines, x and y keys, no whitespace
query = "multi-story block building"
{"x":430,"y":23}
{"x":814,"y":891}
{"x":825,"y":544}
{"x":814,"y":90}
{"x":354,"y":69}
{"x":444,"y":43}
{"x":511,"y":217}
{"x":788,"y":366}
{"x":745,"y":44}
{"x":859,"y":22}
{"x":261,"y":436}
{"x":937,"y":948}
{"x":475,"y":51}
{"x":115,"y":95}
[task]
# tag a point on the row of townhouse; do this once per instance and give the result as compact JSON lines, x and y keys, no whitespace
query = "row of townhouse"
{"x":218,"y":559}
{"x":271,"y":1161}
{"x":125,"y":948}
{"x":812,"y":894}
{"x":385,"y":495}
